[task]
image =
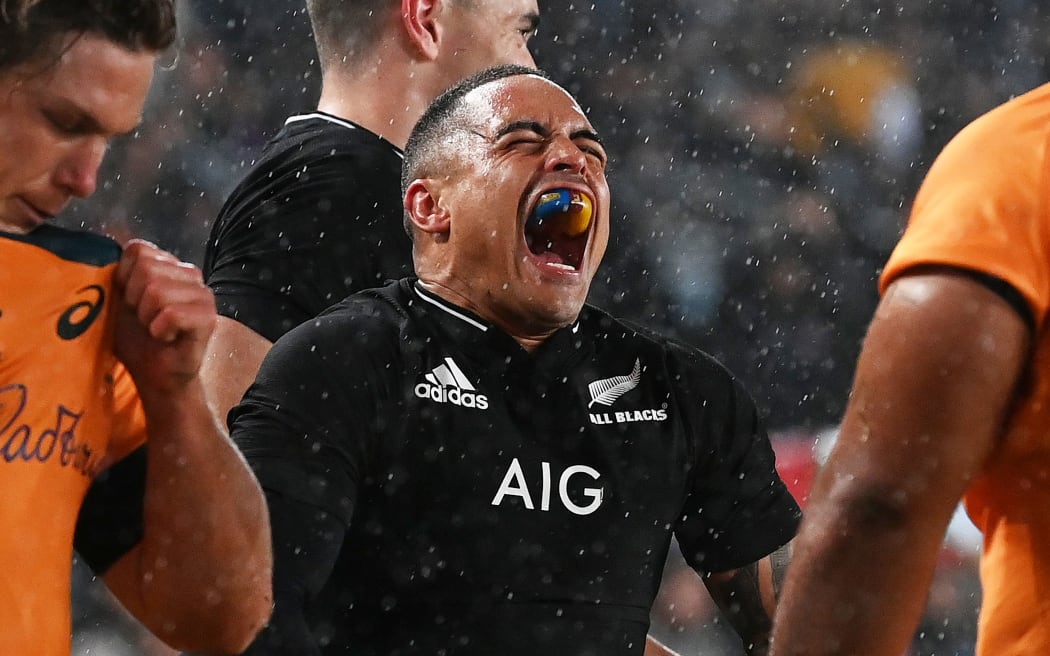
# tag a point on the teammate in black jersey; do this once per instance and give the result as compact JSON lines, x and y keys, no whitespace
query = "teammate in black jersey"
{"x":319,"y":214}
{"x":473,"y":462}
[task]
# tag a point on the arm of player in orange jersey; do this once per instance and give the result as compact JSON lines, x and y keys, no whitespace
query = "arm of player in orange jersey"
{"x":200,"y":577}
{"x":940,"y":365}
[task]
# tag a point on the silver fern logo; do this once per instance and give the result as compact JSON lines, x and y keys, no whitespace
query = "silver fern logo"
{"x":607,"y":390}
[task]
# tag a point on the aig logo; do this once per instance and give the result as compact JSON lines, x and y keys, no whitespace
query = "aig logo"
{"x":574,"y":477}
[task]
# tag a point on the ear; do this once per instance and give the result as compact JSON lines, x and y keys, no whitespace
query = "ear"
{"x":419,"y":18}
{"x":424,"y":207}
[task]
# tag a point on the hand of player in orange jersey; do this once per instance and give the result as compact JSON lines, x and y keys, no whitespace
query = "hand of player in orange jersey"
{"x":165,"y":316}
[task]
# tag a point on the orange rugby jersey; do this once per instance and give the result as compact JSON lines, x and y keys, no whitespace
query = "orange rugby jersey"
{"x":67,"y":410}
{"x":984,"y":207}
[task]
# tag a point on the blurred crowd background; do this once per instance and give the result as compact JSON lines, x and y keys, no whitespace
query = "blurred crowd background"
{"x":765,"y":153}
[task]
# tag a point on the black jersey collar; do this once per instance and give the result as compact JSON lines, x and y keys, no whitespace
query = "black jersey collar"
{"x":336,"y":120}
{"x":460,"y":320}
{"x":465,"y":326}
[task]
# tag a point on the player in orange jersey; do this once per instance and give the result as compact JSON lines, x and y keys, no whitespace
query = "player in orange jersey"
{"x":951,"y":398}
{"x":99,"y":347}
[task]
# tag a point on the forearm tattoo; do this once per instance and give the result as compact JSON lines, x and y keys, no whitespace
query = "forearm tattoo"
{"x":778,"y":561}
{"x":740,"y":598}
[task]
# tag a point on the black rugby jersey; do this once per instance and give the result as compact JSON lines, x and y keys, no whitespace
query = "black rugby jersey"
{"x":317,"y":217}
{"x":502,"y":502}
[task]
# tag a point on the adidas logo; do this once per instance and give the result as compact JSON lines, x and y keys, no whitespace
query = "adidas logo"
{"x":448,"y":384}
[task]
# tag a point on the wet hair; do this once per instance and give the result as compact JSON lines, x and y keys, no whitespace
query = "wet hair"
{"x":440,"y":120}
{"x":35,"y":30}
{"x":343,"y":29}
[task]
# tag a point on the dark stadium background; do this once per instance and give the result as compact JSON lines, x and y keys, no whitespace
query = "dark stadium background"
{"x":759,"y":243}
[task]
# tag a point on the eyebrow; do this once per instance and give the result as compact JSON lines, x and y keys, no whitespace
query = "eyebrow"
{"x":543,"y":131}
{"x":87,"y":123}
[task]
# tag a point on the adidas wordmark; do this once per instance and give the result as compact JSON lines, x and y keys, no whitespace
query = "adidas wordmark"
{"x":447,"y":383}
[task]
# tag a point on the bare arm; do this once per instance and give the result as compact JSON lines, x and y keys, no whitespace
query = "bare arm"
{"x":747,"y":596}
{"x":231,"y":363}
{"x":200,"y":577}
{"x":940,"y":364}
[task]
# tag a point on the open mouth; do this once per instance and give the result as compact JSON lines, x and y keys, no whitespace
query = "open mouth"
{"x":557,"y":228}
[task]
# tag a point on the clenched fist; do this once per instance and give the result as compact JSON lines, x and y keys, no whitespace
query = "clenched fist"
{"x":165,"y":316}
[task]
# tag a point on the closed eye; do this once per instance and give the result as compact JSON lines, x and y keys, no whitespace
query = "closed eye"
{"x":530,"y":26}
{"x":594,"y":151}
{"x":522,"y":134}
{"x":65,"y":125}
{"x":524,"y":141}
{"x":589,"y":142}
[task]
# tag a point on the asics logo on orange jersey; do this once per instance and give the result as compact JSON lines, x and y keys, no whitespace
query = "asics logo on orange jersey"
{"x":75,"y":321}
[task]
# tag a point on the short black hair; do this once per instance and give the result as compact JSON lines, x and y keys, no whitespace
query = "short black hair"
{"x":437,"y":121}
{"x":36,"y":29}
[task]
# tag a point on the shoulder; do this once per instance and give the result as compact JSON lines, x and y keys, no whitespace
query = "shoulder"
{"x":314,"y":166}
{"x":310,"y":176}
{"x":981,"y":206}
{"x":359,"y":324}
{"x":1007,"y":142}
{"x":320,"y":138}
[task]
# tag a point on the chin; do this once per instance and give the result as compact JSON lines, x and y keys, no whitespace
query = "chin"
{"x":563,"y":312}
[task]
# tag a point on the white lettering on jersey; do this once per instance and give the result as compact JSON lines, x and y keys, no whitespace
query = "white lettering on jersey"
{"x":626,"y":416}
{"x":514,"y":485}
{"x":462,"y":398}
{"x":447,"y":383}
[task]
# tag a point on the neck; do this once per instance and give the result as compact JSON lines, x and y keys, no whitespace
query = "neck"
{"x":385,"y":96}
{"x":528,"y":336}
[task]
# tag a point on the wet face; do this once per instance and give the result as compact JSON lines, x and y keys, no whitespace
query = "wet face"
{"x":483,"y":33}
{"x":527,"y":205}
{"x":56,"y":122}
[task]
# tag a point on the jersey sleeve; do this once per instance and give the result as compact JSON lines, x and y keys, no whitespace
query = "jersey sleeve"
{"x":738,"y":509}
{"x":982,"y":207}
{"x":303,"y":425}
{"x":284,"y":250}
{"x":110,"y":521}
{"x":306,"y":546}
